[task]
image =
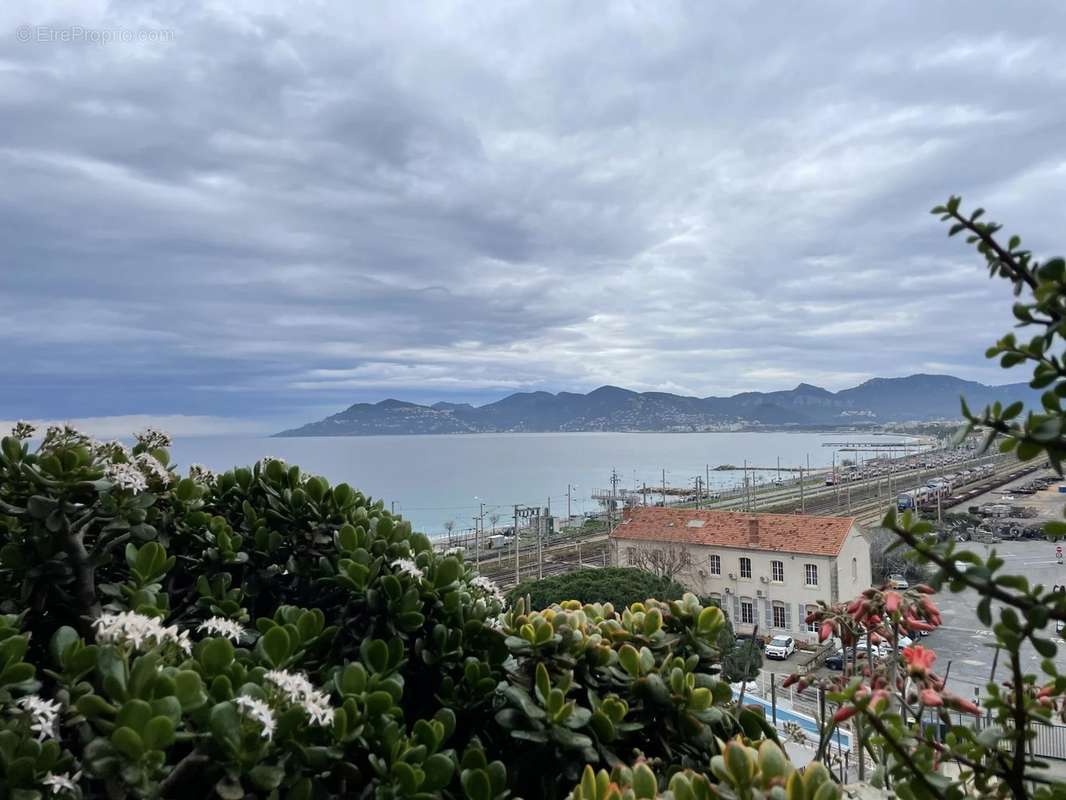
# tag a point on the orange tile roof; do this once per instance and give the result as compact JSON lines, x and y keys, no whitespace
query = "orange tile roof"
{"x":789,"y":533}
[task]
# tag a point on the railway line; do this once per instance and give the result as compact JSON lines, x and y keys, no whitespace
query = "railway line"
{"x":867,"y":500}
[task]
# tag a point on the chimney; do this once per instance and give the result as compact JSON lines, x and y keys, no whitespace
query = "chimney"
{"x":753,"y":531}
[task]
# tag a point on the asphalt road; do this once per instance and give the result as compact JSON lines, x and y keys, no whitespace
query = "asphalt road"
{"x":962,"y":640}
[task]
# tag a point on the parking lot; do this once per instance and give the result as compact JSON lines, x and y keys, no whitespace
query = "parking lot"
{"x":962,"y":640}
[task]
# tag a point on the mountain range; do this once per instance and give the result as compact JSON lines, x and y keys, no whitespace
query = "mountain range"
{"x":609,"y":408}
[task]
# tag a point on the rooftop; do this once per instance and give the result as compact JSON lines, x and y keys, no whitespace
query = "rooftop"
{"x":788,"y":533}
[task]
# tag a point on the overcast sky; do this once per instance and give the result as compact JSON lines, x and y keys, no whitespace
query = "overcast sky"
{"x":265,"y":211}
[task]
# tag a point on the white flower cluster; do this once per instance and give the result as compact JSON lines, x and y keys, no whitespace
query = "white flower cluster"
{"x":150,"y":439}
{"x":151,"y":468}
{"x":126,"y":476}
{"x":140,"y":632}
{"x":258,"y":711}
{"x":299,"y":691}
{"x":488,"y":587}
{"x":220,"y":626}
{"x":200,"y":473}
{"x":23,"y":430}
{"x":408,"y":567}
{"x":44,"y":715}
{"x":57,"y":784}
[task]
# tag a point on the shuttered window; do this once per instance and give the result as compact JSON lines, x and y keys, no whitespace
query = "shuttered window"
{"x":779,"y":615}
{"x":747,"y":611}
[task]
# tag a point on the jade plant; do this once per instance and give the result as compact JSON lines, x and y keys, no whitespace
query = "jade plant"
{"x":262,"y":633}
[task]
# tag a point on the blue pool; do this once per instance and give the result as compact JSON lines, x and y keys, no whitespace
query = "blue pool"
{"x":841,"y":739}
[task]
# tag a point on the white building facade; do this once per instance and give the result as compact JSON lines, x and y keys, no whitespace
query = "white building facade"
{"x":765,"y":570}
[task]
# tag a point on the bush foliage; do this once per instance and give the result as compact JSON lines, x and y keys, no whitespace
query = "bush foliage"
{"x":620,"y":586}
{"x":261,"y":633}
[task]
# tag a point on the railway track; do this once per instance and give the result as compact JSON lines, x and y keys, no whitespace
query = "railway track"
{"x":868,"y":505}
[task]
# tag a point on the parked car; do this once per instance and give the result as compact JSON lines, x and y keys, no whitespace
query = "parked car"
{"x":875,"y":649}
{"x":781,"y":647}
{"x":835,"y":660}
{"x":897,"y":581}
{"x":886,"y":647}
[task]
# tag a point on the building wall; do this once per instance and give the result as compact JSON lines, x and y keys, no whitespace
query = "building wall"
{"x":792,"y":595}
{"x":855,"y":571}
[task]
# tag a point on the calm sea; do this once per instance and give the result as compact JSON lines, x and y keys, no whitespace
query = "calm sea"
{"x":436,"y":479}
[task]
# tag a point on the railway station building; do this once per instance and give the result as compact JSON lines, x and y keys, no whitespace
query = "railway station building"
{"x":765,"y":570}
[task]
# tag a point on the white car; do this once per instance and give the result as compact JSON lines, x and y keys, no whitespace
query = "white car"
{"x":898,"y":582}
{"x":780,"y":647}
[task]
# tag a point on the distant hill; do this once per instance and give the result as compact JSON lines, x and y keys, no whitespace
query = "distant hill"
{"x":609,"y":408}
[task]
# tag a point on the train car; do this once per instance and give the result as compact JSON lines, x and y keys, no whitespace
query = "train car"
{"x":939,"y":487}
{"x":926,"y":499}
{"x":907,"y":501}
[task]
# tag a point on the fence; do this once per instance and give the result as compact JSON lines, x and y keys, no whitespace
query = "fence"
{"x":1048,"y":740}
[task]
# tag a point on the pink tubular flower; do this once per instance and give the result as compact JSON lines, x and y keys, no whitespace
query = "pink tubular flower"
{"x":919,"y":659}
{"x":857,"y":609}
{"x":930,"y":698}
{"x":790,"y":680}
{"x":826,"y":631}
{"x":845,"y":713}
{"x":918,"y":625}
{"x":960,"y":704}
{"x":892,"y":602}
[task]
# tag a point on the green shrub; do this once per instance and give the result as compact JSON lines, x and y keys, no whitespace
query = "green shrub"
{"x":261,"y":633}
{"x":741,"y":771}
{"x":620,"y":586}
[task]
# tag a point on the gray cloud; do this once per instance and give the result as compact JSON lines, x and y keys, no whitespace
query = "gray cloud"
{"x":278,"y":211}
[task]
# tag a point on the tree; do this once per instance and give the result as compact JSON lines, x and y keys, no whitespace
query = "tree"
{"x":887,"y":558}
{"x":619,"y":586}
{"x":667,"y":562}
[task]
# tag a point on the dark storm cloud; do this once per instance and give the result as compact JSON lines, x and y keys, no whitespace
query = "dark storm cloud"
{"x":277,"y":210}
